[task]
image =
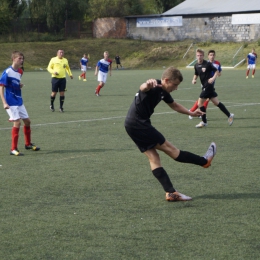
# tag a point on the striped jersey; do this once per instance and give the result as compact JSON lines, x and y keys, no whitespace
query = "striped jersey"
{"x":104,"y":65}
{"x":84,"y":61}
{"x":217,"y":65}
{"x":252,"y":56}
{"x":11,"y":79}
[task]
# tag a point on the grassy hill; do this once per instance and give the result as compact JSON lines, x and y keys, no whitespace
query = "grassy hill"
{"x":134,"y":53}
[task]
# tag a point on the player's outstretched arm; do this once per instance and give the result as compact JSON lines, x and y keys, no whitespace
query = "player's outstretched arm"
{"x":183,"y":110}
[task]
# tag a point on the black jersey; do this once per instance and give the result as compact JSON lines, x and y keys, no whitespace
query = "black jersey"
{"x":142,"y":108}
{"x":205,"y":71}
{"x":117,"y":58}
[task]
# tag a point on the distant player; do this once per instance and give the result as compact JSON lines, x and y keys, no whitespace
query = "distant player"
{"x":118,"y":62}
{"x":11,"y":95}
{"x":207,"y":74}
{"x":102,"y":68}
{"x":83,"y":67}
{"x":251,"y":62}
{"x":217,"y":65}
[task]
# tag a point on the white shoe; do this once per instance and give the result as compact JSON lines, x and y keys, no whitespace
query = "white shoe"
{"x":176,"y":196}
{"x":209,"y":155}
{"x":231,"y":119}
{"x":201,"y":125}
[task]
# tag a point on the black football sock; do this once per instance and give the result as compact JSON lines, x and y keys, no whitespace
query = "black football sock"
{"x":62,"y":101}
{"x":204,"y":118}
{"x":187,"y":157}
{"x":223,"y":109}
{"x":52,"y":100}
{"x":162,"y":176}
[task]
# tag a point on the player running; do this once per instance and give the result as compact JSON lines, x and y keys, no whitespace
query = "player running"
{"x":217,"y":65}
{"x":208,"y":73}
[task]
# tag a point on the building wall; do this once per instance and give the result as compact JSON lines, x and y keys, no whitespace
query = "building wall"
{"x":109,"y":28}
{"x":203,"y":29}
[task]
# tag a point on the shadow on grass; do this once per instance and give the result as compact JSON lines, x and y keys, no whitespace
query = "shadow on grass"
{"x":230,"y":196}
{"x":78,"y":151}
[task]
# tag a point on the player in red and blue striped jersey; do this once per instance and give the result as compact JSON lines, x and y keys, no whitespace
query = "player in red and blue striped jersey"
{"x":251,"y":61}
{"x":11,"y":95}
{"x":102,"y":68}
{"x":83,"y":67}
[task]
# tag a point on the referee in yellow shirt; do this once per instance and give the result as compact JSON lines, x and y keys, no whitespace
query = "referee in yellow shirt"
{"x":58,"y":67}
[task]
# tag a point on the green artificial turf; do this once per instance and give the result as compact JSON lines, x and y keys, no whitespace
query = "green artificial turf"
{"x":89,"y":193}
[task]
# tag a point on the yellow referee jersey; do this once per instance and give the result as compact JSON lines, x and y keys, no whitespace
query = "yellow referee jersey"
{"x":59,"y":66}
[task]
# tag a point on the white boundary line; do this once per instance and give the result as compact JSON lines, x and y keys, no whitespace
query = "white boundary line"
{"x":120,"y":117}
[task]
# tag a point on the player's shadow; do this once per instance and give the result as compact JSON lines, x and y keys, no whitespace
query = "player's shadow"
{"x":234,"y":196}
{"x":79,"y":151}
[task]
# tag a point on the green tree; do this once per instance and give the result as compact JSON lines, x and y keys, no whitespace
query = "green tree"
{"x":16,"y":7}
{"x":9,"y":10}
{"x":5,"y":18}
{"x":55,"y":13}
{"x":165,"y":5}
{"x":114,"y":8}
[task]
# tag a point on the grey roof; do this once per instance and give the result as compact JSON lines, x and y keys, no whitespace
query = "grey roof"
{"x":196,"y":7}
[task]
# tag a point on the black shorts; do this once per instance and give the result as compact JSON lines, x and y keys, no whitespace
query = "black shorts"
{"x":208,"y":91}
{"x":145,"y":139}
{"x":58,"y":85}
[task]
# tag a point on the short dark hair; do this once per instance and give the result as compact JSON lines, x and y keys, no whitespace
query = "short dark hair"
{"x":211,"y":51}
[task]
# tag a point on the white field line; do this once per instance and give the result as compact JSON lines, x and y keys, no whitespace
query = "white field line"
{"x":120,"y":117}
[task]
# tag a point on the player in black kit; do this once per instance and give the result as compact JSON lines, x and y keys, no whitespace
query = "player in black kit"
{"x":149,"y":140}
{"x":208,"y":73}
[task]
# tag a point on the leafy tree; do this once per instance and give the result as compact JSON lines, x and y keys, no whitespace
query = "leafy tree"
{"x":5,"y":18}
{"x":55,"y":13}
{"x":114,"y":8}
{"x":134,"y":7}
{"x":165,"y":5}
{"x":16,"y":7}
{"x":9,"y":10}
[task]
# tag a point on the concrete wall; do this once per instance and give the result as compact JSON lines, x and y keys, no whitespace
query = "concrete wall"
{"x":109,"y":28}
{"x":217,"y":29}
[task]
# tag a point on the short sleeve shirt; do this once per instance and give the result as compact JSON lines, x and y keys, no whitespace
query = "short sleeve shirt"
{"x":252,"y":56}
{"x":205,"y":71}
{"x":117,"y":58}
{"x":10,"y":79}
{"x":104,"y":65}
{"x":143,"y":106}
{"x":84,"y":61}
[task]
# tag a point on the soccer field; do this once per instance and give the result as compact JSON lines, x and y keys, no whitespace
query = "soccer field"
{"x":89,"y":193}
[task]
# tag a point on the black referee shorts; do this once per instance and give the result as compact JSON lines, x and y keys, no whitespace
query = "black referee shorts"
{"x":145,"y":139}
{"x":58,"y":85}
{"x":208,"y":91}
